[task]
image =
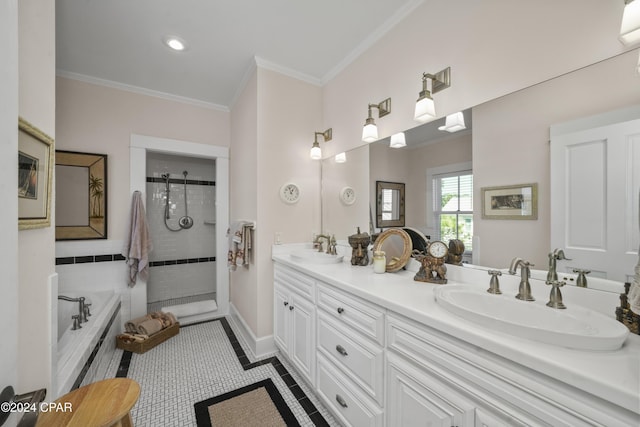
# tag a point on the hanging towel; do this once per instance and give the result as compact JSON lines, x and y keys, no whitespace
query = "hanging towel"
{"x":634,"y":291}
{"x":137,"y":242}
{"x":240,"y":243}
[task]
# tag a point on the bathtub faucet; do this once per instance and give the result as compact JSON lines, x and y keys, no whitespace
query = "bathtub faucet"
{"x":82,"y":311}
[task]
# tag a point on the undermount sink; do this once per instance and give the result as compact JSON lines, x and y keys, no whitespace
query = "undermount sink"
{"x":314,"y":257}
{"x":574,"y":327}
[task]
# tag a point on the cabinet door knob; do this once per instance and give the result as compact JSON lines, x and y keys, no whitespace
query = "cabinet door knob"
{"x":340,"y":310}
{"x":286,"y":303}
{"x":290,"y":307}
{"x":340,"y":349}
{"x":341,"y":401}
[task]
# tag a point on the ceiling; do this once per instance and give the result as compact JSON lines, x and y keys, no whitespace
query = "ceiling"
{"x":120,"y":42}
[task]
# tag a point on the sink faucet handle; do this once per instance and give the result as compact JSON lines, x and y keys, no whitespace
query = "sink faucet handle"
{"x":581,"y":281}
{"x":555,"y":297}
{"x":494,"y":285}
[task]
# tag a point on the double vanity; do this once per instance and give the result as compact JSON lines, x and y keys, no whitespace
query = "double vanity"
{"x":385,"y":350}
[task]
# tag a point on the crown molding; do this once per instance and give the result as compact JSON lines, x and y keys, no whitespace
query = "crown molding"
{"x":140,"y":90}
{"x":387,"y":26}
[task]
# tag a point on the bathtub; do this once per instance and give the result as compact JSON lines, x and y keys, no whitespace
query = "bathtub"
{"x":84,"y":354}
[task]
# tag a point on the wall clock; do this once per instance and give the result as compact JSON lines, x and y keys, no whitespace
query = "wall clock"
{"x":290,"y":193}
{"x":348,"y":196}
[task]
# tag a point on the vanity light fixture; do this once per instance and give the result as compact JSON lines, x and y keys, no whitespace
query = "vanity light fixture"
{"x":454,"y":123}
{"x":370,"y":130}
{"x":341,"y":157}
{"x":175,"y":43}
{"x":630,"y":27}
{"x":425,"y":107}
{"x":398,"y":140}
{"x":316,"y":152}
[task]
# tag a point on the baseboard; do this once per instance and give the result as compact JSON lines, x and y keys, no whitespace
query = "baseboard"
{"x":259,"y":347}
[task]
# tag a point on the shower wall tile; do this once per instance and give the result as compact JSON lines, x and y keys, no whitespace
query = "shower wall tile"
{"x":180,"y":280}
{"x":197,"y":242}
{"x":198,"y":169}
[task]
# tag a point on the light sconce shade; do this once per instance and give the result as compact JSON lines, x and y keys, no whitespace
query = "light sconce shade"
{"x":454,"y":123}
{"x":398,"y":140}
{"x":630,"y":27}
{"x":425,"y":107}
{"x":341,"y":157}
{"x":370,"y":130}
{"x":316,"y":151}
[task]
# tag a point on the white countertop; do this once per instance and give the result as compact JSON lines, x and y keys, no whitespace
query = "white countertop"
{"x":610,"y":375}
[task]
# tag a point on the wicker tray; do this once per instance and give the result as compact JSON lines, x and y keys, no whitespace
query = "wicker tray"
{"x":152,"y":341}
{"x":624,"y":313}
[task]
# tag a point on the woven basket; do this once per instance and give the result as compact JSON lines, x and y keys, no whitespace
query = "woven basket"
{"x":624,"y":313}
{"x":149,"y":343}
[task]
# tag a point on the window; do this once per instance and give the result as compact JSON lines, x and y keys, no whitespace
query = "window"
{"x":453,"y":206}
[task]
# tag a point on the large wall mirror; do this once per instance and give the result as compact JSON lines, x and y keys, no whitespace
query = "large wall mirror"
{"x":81,"y":195}
{"x":506,"y":144}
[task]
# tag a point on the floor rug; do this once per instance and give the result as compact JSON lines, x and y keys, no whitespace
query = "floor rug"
{"x":258,"y":404}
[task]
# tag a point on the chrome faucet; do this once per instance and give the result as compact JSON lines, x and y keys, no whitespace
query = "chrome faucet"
{"x":82,"y":312}
{"x":524,"y":290}
{"x":318,"y":243}
{"x":556,"y":255}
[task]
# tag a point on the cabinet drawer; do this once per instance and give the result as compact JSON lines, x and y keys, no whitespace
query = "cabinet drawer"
{"x":345,"y":400}
{"x":363,"y":317}
{"x":298,"y":282}
{"x":362,"y":360}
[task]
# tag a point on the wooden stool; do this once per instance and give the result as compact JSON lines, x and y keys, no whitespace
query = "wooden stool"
{"x":104,"y":403}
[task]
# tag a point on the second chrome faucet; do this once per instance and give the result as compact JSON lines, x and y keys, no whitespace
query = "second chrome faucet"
{"x":524,"y":290}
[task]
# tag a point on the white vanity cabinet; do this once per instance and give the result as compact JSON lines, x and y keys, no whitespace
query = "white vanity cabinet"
{"x":350,"y":357}
{"x":380,"y":352}
{"x":431,"y":375}
{"x":295,"y":319}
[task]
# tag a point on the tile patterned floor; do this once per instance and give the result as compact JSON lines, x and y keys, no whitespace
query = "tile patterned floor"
{"x":202,"y":361}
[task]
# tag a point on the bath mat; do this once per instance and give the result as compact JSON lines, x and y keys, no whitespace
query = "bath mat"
{"x":258,"y":404}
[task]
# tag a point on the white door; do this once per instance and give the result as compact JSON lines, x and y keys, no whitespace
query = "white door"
{"x":595,"y":179}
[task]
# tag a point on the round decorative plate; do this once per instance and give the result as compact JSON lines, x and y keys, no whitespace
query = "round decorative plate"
{"x":396,"y":245}
{"x":348,"y":196}
{"x":290,"y":193}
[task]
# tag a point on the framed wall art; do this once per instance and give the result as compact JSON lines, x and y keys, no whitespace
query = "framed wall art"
{"x":510,"y":202}
{"x":81,"y":195}
{"x":35,"y":172}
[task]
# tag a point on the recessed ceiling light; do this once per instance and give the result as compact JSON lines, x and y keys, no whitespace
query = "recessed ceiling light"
{"x":175,"y":43}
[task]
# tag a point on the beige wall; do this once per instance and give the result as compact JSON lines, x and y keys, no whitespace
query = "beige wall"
{"x":289,"y":112}
{"x":511,"y":146}
{"x":273,"y":123}
{"x":99,"y":119}
{"x":493,"y":48}
{"x":243,"y":188}
{"x":36,"y":251}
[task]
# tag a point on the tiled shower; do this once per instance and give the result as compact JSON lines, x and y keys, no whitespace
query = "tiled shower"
{"x":182,"y":263}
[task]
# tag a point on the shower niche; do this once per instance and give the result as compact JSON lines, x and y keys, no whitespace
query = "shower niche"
{"x":181,"y":200}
